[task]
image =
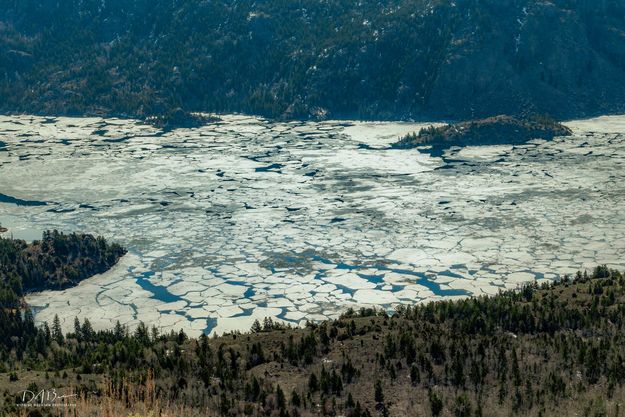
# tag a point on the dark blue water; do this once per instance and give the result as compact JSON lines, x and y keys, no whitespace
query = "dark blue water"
{"x":159,"y":292}
{"x":249,"y":292}
{"x":422,"y":278}
{"x":211,"y":323}
{"x":270,"y":168}
{"x":17,"y":201}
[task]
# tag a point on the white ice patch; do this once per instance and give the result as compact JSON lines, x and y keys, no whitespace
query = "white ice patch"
{"x":248,"y":218}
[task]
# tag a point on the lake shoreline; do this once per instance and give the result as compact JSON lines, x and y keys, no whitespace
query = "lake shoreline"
{"x":247,"y":218}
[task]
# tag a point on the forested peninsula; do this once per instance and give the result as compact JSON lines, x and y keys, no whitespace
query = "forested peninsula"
{"x":55,"y":262}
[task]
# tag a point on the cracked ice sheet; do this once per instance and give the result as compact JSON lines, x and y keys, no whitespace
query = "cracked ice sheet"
{"x":249,"y":218}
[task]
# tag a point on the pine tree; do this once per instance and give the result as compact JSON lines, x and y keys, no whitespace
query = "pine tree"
{"x":436,"y":404}
{"x":350,"y":401}
{"x":87,"y":330}
{"x":313,"y":383}
{"x":295,"y":399}
{"x":281,"y":399}
{"x":77,"y":329}
{"x":57,"y":331}
{"x":462,"y":406}
{"x":256,"y":327}
{"x":119,"y":331}
{"x":378,"y":392}
{"x":415,"y":375}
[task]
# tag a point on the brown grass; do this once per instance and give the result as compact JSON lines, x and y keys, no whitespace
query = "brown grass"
{"x":127,"y":400}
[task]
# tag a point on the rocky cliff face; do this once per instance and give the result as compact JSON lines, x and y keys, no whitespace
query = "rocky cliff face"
{"x":393,"y":59}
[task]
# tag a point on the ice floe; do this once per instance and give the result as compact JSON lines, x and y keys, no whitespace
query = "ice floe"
{"x":248,"y":218}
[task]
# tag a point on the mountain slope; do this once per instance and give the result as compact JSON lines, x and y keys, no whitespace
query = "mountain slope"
{"x":371,"y":59}
{"x":541,"y":351}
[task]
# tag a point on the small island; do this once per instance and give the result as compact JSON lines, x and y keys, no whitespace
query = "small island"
{"x":179,"y":118}
{"x":496,"y":130}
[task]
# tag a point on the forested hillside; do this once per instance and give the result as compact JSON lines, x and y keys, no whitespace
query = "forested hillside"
{"x":297,"y":59}
{"x":541,"y":351}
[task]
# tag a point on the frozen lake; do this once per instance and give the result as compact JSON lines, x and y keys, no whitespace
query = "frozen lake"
{"x":247,"y":218}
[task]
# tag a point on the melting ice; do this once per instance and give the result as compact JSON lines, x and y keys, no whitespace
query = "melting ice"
{"x":249,"y":218}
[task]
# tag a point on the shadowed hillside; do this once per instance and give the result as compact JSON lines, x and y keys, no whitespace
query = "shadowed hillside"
{"x":370,"y":59}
